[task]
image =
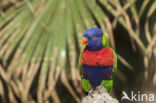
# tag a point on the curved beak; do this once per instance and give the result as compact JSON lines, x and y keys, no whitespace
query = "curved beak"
{"x":84,"y":41}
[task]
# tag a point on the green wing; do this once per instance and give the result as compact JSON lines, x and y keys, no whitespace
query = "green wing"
{"x":115,"y":65}
{"x":105,"y":41}
{"x":85,"y":83}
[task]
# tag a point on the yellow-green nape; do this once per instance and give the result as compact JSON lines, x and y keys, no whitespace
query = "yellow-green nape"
{"x":105,"y":41}
{"x":108,"y":84}
{"x":86,"y":85}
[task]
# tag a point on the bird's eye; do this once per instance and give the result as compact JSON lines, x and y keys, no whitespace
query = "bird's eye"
{"x":94,"y":37}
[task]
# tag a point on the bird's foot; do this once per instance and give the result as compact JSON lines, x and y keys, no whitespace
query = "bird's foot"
{"x":99,"y":89}
{"x":91,"y":92}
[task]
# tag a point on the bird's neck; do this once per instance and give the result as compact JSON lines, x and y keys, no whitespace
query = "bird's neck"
{"x":94,"y":48}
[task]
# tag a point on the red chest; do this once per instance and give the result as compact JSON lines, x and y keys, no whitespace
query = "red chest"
{"x":103,"y":57}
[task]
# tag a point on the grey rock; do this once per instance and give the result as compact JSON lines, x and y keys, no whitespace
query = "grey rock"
{"x":100,"y":95}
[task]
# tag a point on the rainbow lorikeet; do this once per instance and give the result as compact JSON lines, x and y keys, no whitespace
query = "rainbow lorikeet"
{"x":98,"y":61}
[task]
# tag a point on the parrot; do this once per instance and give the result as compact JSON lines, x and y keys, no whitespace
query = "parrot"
{"x":97,"y":62}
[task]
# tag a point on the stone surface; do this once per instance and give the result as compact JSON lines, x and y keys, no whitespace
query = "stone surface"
{"x":100,"y":95}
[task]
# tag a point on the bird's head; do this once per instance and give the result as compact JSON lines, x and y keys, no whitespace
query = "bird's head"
{"x":93,"y":39}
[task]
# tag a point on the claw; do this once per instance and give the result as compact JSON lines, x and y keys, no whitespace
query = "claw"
{"x":99,"y":89}
{"x":91,"y":92}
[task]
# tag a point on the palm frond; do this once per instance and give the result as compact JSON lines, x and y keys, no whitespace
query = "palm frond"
{"x":40,"y":45}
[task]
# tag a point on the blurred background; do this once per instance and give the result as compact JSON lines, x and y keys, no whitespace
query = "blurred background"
{"x":40,"y":45}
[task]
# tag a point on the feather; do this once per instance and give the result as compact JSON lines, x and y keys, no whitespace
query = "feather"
{"x":103,"y":57}
{"x":96,"y":74}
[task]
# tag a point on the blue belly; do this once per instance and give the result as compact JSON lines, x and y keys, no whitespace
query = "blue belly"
{"x":96,"y":74}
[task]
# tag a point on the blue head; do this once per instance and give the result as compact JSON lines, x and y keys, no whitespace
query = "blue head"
{"x":92,"y":38}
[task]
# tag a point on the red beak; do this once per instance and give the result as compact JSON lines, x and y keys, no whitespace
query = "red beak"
{"x":84,"y":41}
